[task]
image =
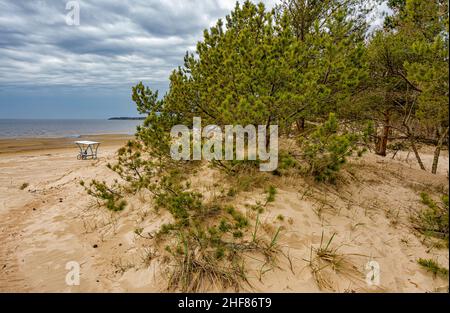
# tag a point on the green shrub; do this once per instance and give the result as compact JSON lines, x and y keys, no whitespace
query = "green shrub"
{"x":111,"y":196}
{"x":433,"y":221}
{"x":433,"y":267}
{"x":327,"y":149}
{"x":271,"y":192}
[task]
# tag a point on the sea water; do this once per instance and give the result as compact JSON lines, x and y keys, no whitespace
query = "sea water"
{"x":59,"y":128}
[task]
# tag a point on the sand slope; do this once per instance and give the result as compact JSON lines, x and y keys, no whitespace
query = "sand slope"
{"x":53,"y":221}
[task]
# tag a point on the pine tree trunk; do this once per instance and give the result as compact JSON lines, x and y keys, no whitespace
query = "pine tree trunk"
{"x":413,"y":145}
{"x":268,"y":132}
{"x":416,"y":153}
{"x":301,"y":124}
{"x":383,"y":139}
{"x":437,"y":152}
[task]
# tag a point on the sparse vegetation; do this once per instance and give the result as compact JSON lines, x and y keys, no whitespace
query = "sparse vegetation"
{"x":271,"y":192}
{"x":433,"y":267}
{"x":111,"y":197}
{"x":327,"y":256}
{"x":206,"y":244}
{"x":433,"y":220}
{"x":326,"y":150}
{"x":23,"y":186}
{"x":231,"y":192}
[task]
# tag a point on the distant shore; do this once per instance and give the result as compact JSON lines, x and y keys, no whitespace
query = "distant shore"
{"x":22,"y":145}
{"x":126,"y":118}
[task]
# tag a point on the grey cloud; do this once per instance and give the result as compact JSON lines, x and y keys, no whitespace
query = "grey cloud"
{"x":117,"y":43}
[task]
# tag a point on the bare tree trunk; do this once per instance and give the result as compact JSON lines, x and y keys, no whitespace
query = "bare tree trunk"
{"x":437,"y":151}
{"x":416,"y":153}
{"x":413,"y":146}
{"x":411,"y":136}
{"x":383,"y":139}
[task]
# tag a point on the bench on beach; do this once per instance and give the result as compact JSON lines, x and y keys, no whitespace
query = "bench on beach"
{"x":88,"y":149}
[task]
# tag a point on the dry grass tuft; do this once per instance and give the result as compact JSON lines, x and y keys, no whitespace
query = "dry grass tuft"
{"x":327,"y":263}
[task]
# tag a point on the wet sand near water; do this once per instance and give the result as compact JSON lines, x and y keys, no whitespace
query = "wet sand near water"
{"x":19,"y":145}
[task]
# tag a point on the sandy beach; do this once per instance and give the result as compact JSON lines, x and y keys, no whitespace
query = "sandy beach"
{"x":13,"y":146}
{"x":53,"y":221}
{"x":42,"y":220}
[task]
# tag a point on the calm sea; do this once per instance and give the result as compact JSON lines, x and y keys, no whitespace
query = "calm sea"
{"x":57,"y":128}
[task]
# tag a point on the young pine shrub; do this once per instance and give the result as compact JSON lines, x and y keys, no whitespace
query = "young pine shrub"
{"x":271,"y":192}
{"x":433,"y":221}
{"x":206,"y":243}
{"x":286,"y":164}
{"x":110,"y":197}
{"x":328,"y":148}
{"x":433,"y":267}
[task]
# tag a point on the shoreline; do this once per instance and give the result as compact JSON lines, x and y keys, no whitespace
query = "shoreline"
{"x":35,"y":144}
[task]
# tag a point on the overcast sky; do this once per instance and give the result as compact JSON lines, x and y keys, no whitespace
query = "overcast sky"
{"x":49,"y":69}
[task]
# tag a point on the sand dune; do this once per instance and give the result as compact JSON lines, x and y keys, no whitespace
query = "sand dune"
{"x":52,"y":221}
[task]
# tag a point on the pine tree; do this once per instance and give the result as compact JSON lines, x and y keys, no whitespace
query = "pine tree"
{"x":327,"y":54}
{"x":428,"y":21}
{"x":408,"y":62}
{"x":239,"y":75}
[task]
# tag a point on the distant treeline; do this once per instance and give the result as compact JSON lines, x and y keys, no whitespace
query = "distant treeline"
{"x":126,"y":118}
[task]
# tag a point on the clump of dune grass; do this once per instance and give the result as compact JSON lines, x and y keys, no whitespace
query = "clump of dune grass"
{"x":206,"y":250}
{"x":23,"y":186}
{"x":329,"y":254}
{"x":433,"y":266}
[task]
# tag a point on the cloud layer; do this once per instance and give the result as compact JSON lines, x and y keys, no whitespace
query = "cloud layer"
{"x":117,"y":42}
{"x":51,"y":69}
